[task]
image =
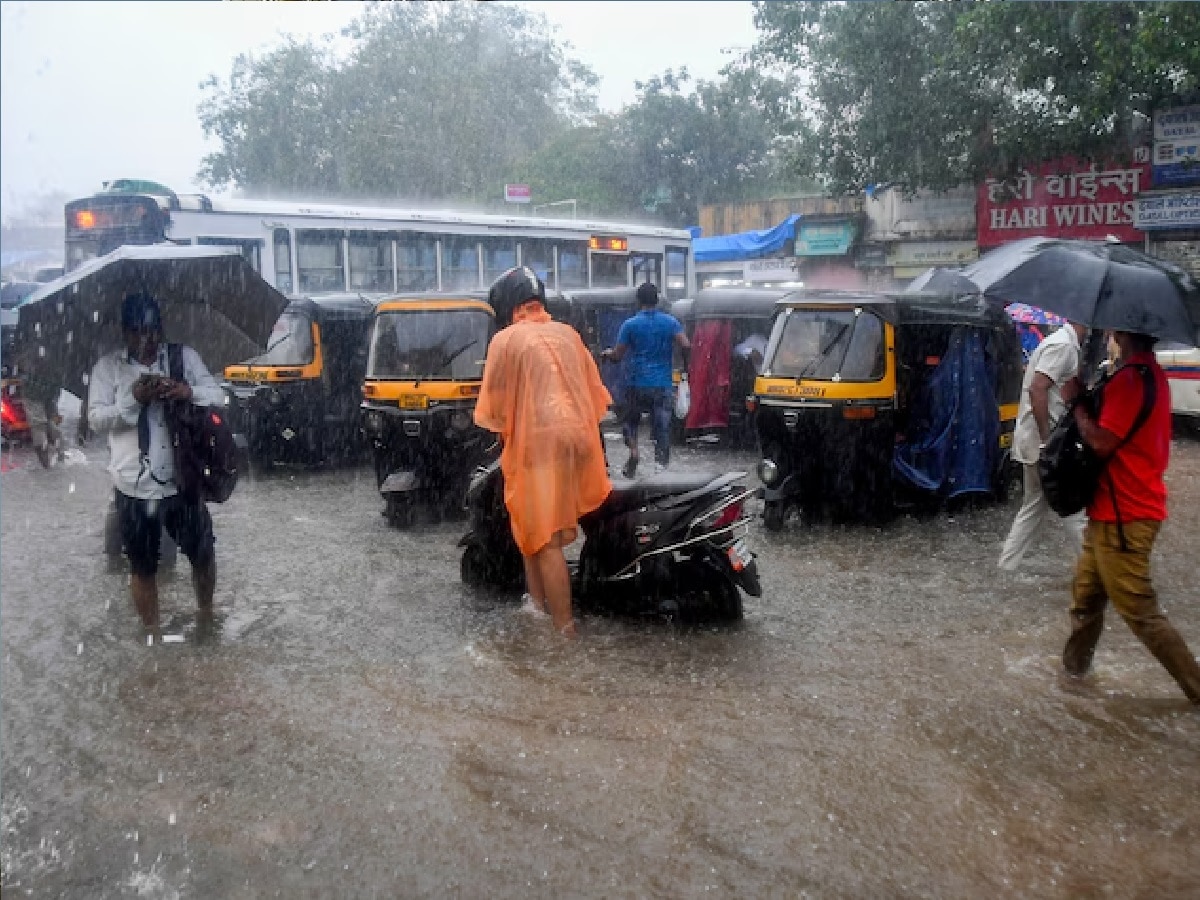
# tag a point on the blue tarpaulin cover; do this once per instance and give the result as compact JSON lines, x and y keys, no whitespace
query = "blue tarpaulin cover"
{"x":747,"y":244}
{"x":953,"y":452}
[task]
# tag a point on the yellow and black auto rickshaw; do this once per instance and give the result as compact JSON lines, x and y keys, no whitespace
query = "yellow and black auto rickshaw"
{"x":299,"y":401}
{"x":869,"y":401}
{"x":424,"y":370}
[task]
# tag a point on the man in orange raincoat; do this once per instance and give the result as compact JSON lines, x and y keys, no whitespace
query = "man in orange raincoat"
{"x":543,"y":395}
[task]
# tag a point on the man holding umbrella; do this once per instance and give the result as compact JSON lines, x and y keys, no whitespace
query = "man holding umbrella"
{"x":130,"y":389}
{"x":1125,"y":516}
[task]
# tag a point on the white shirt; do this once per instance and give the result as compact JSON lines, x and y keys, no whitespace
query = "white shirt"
{"x":1057,"y":357}
{"x":112,"y":408}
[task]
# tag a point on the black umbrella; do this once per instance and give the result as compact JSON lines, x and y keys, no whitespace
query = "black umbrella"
{"x":942,"y":281}
{"x":212,"y":300}
{"x":1099,"y":284}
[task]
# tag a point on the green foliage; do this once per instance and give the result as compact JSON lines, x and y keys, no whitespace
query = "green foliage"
{"x":937,"y":94}
{"x":433,"y":101}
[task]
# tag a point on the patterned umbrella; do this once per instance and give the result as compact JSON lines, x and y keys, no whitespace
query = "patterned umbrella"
{"x":1031,"y":315}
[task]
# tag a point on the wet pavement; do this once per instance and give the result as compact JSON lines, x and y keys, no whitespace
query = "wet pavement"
{"x":888,"y":720}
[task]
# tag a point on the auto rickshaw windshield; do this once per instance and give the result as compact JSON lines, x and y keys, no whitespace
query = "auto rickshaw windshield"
{"x":436,"y":344}
{"x":821,"y":344}
{"x":290,"y":343}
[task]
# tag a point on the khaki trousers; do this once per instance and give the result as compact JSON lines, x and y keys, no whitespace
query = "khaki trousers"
{"x":1107,"y":573}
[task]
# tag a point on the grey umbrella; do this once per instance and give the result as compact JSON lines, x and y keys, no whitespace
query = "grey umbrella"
{"x":212,"y":300}
{"x":942,"y":281}
{"x":1096,"y":283}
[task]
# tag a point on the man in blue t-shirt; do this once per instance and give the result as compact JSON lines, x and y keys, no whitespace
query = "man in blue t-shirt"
{"x":648,"y":339}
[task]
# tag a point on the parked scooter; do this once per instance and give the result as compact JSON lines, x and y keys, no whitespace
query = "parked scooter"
{"x":673,"y":543}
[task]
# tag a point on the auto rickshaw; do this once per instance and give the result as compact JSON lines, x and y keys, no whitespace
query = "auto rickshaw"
{"x":729,"y":329}
{"x":869,"y":401}
{"x":299,"y":401}
{"x":424,"y":370}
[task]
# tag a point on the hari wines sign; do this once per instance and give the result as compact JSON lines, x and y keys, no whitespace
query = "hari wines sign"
{"x":1062,"y":199}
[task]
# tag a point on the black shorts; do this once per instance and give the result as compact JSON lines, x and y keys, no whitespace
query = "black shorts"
{"x":187,"y":522}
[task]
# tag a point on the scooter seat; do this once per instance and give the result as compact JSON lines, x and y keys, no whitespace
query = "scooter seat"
{"x":630,"y":494}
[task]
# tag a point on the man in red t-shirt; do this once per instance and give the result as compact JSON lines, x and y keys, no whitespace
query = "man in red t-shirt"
{"x":1124,"y":517}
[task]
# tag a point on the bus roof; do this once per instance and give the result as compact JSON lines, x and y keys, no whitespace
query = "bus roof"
{"x":399,"y":214}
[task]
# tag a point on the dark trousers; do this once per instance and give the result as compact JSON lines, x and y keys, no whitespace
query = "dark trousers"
{"x":660,"y":403}
{"x":1107,"y":573}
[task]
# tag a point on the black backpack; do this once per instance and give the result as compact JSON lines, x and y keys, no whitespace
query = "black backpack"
{"x":1069,"y":469}
{"x":206,"y":456}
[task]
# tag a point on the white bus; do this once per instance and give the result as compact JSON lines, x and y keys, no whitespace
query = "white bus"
{"x":313,"y":248}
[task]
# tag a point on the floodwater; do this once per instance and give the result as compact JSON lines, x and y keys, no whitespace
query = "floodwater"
{"x":889,"y":719}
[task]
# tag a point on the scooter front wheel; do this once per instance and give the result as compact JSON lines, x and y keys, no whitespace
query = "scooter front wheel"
{"x":774,"y":514}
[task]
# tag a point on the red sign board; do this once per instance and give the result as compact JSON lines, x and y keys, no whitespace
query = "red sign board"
{"x":517,"y":193}
{"x":1064,"y":199}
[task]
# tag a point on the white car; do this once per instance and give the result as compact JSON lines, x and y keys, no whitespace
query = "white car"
{"x":1182,"y":365}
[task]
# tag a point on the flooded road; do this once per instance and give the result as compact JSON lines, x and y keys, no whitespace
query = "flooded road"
{"x":889,"y":719}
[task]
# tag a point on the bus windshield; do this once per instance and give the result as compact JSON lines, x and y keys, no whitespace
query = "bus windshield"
{"x":429,"y":344}
{"x":821,"y":344}
{"x":290,"y":344}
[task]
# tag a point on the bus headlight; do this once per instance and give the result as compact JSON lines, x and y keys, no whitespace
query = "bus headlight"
{"x":768,"y":471}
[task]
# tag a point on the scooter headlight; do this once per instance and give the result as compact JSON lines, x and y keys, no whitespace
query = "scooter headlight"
{"x":768,"y":471}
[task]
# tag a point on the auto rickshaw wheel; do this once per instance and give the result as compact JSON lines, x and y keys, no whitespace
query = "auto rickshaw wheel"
{"x":473,"y":568}
{"x":774,"y":514}
{"x":400,"y":511}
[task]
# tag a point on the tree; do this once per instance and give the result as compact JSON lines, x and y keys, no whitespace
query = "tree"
{"x":432,"y":101}
{"x":937,"y":94}
{"x":678,"y":145}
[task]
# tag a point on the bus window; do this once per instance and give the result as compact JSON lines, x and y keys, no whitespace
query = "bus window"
{"x":283,"y":260}
{"x":319,"y":260}
{"x":572,"y":266}
{"x":647,"y":267}
{"x":416,"y":263}
{"x":609,"y":270}
{"x":539,"y":256}
{"x":499,"y":255}
{"x":251,"y":249}
{"x":677,"y":276}
{"x":371,"y":261}
{"x":460,"y":264}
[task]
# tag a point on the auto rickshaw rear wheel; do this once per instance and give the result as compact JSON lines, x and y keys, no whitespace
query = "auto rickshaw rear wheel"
{"x":774,"y":514}
{"x":473,"y":568}
{"x":400,"y":511}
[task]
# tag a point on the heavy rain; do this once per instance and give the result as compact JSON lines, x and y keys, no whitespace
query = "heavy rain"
{"x":843,"y":265}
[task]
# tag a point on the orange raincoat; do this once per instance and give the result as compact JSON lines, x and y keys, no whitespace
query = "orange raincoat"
{"x":543,"y":395}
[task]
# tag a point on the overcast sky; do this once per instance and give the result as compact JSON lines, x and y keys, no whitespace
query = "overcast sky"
{"x":93,"y":91}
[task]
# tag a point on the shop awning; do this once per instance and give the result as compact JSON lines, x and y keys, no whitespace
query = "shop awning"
{"x":746,"y":244}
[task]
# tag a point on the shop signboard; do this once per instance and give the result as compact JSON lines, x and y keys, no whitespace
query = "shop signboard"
{"x":825,"y":239}
{"x":1176,"y":152}
{"x":1180,"y":210}
{"x":772,"y":269}
{"x":923,"y":254}
{"x":517,"y":193}
{"x":1063,"y":198}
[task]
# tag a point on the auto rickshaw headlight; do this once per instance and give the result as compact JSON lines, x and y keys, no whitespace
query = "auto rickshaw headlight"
{"x":768,"y":471}
{"x":274,"y":397}
{"x":461,"y":420}
{"x":374,"y":422}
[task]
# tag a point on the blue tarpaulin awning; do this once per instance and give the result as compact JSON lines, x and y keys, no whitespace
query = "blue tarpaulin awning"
{"x":747,"y":244}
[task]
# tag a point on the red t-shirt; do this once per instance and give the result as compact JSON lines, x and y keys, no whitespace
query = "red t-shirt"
{"x":1137,"y":468}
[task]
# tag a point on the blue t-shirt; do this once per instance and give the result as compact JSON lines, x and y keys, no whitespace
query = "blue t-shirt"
{"x":650,"y":337}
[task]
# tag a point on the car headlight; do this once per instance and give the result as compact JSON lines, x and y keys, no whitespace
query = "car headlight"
{"x":768,"y":471}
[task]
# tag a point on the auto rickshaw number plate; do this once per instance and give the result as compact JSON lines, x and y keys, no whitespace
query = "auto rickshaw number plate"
{"x":1006,"y":441}
{"x":414,"y":401}
{"x":740,"y":555}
